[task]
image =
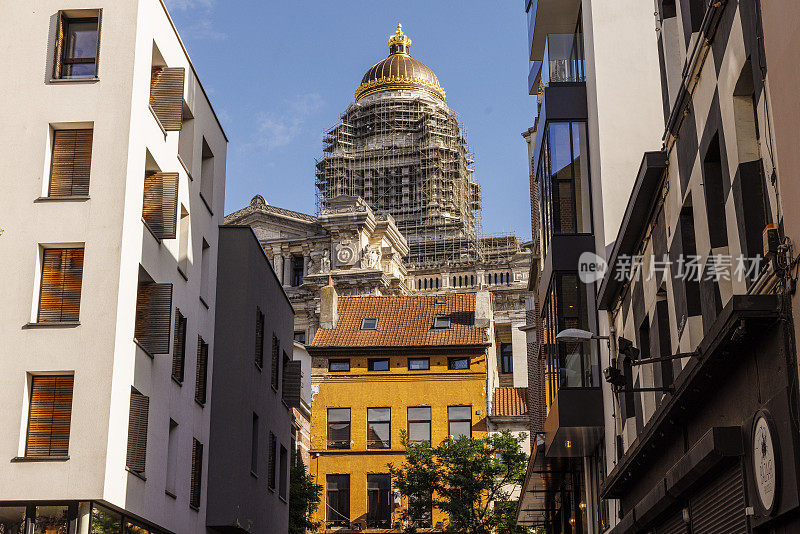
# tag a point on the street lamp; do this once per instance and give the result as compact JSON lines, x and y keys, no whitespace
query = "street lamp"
{"x":576,"y":335}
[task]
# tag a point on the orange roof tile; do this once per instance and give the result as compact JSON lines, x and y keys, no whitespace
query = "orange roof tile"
{"x":510,"y":401}
{"x":403,"y":322}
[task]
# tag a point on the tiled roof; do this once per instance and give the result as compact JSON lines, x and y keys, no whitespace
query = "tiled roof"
{"x":510,"y":401}
{"x":403,"y":322}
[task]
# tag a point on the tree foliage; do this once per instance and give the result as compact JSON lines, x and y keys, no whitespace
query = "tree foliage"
{"x":304,"y":498}
{"x":469,"y":479}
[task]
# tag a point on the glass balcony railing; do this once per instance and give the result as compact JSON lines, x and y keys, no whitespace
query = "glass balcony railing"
{"x":563,"y":58}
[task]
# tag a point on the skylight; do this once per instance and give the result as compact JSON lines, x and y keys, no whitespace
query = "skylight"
{"x":369,"y":323}
{"x":441,"y":300}
{"x":441,"y":322}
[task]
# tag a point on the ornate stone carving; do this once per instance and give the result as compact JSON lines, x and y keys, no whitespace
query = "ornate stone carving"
{"x":325,"y":262}
{"x":345,"y":252}
{"x":371,"y":257}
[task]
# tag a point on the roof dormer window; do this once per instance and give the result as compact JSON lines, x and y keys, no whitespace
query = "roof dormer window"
{"x":369,"y":323}
{"x":441,"y":322}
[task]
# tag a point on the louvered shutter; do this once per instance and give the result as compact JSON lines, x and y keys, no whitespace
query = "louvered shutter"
{"x":179,"y":347}
{"x":137,"y":432}
{"x":202,"y":371}
{"x":166,"y":96}
{"x":275,"y":354}
{"x":291,"y":383}
{"x":271,"y":460}
{"x":62,"y":274}
{"x":71,"y":163}
{"x":153,"y":317}
{"x":259,"y":337}
{"x":49,"y":416}
{"x":674,"y":524}
{"x":160,"y":204}
{"x":720,"y":507}
{"x":197,"y":473}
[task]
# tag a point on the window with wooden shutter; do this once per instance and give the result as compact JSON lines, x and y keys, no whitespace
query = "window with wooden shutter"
{"x":197,"y":473}
{"x":259,"y":337}
{"x":153,"y":316}
{"x":77,"y":44}
{"x":160,"y":204}
{"x":49,"y":416}
{"x":179,"y":346}
{"x":137,"y":432}
{"x":291,"y":383}
{"x":275,"y":355}
{"x":71,"y":163}
{"x":60,"y":295}
{"x":271,"y":460}
{"x":166,"y":96}
{"x":202,"y":371}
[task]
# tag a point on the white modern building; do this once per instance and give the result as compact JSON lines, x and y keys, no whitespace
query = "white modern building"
{"x":114,"y":182}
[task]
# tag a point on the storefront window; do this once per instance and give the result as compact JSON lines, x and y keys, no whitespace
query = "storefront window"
{"x":105,"y":521}
{"x":51,"y":520}
{"x":133,"y":528}
{"x":12,"y":519}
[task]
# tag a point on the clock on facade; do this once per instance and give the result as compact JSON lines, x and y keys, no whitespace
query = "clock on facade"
{"x":765,"y":461}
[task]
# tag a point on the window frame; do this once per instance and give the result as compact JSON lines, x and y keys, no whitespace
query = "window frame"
{"x":451,"y":363}
{"x":334,"y":361}
{"x":442,"y":322}
{"x":410,"y":421}
{"x":450,"y":420}
{"x":68,"y":318}
{"x":506,"y":369}
{"x":372,"y":361}
{"x":30,"y":406}
{"x":364,"y":324}
{"x":378,"y":444}
{"x":60,"y":60}
{"x":339,"y":510}
{"x":375,"y":522}
{"x":426,"y":368}
{"x":345,"y":444}
{"x":77,"y":131}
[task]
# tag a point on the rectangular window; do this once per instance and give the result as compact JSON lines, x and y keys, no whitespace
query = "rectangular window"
{"x":338,"y":428}
{"x":379,"y":428}
{"x":506,"y":358}
{"x":338,"y":493}
{"x":70,"y":163}
{"x":259,"y":338}
{"x":421,"y":506}
{"x":283,"y":482}
{"x":207,"y":176}
{"x":458,"y":363}
{"x":419,"y":364}
{"x":153,"y":315}
{"x":459,"y":421}
{"x":179,"y":347}
{"x":77,"y":45}
{"x":137,"y":432}
{"x":290,"y":390}
{"x":336,"y":366}
{"x":297,"y":271}
{"x":166,"y":96}
{"x":370,"y":323}
{"x":378,"y":364}
{"x":379,"y":488}
{"x":441,"y":322}
{"x":276,"y":347}
{"x":60,"y":294}
{"x":160,"y":203}
{"x":53,"y":519}
{"x":172,"y":458}
{"x":254,"y":446}
{"x":419,"y":424}
{"x":273,"y":445}
{"x":300,"y":337}
{"x":197,"y":474}
{"x":12,"y":519}
{"x":49,"y":416}
{"x":104,"y":520}
{"x":201,"y":375}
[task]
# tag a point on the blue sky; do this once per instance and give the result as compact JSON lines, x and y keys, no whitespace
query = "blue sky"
{"x":279,"y":72}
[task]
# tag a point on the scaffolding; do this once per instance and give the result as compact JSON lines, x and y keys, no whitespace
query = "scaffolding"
{"x":407,"y":156}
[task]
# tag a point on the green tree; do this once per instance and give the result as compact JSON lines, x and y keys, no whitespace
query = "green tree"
{"x":469,"y":479}
{"x":304,"y":497}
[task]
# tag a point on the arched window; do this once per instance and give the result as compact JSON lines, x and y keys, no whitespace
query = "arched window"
{"x":495,"y":278}
{"x":472,"y":280}
{"x":425,"y":285}
{"x":437,"y":283}
{"x":460,"y":282}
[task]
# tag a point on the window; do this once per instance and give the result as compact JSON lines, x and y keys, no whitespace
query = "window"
{"x":378,"y":364}
{"x":338,"y":428}
{"x":160,"y":203}
{"x":379,"y":428}
{"x":197,"y":473}
{"x":12,"y":519}
{"x":105,"y":521}
{"x":77,"y":46}
{"x":179,"y":347}
{"x":338,"y":490}
{"x":290,"y":390}
{"x":379,"y":488}
{"x":419,"y":364}
{"x":166,"y":96}
{"x":457,"y":363}
{"x":184,"y":243}
{"x":137,"y":432}
{"x":296,"y":271}
{"x":369,"y":323}
{"x":70,"y":164}
{"x":441,"y":300}
{"x":274,"y":368}
{"x":506,"y":358}
{"x":207,"y":176}
{"x":54,"y":519}
{"x":153,"y":315}
{"x":259,"y":338}
{"x":49,"y":416}
{"x":283,"y":481}
{"x":419,"y":424}
{"x":300,"y":337}
{"x":254,"y":445}
{"x":205,"y":272}
{"x":441,"y":322}
{"x":421,"y":509}
{"x":60,"y":294}
{"x":459,"y":421}
{"x":273,"y":445}
{"x":172,"y":458}
{"x":336,"y":366}
{"x":201,"y":374}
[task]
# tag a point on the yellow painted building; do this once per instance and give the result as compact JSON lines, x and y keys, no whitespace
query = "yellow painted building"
{"x":388,"y":365}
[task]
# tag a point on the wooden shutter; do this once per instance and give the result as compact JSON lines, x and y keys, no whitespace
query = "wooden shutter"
{"x":259,"y":337}
{"x":49,"y":416}
{"x":62,"y":274}
{"x":160,"y":204}
{"x":291,"y":383}
{"x":71,"y":163}
{"x":271,"y":460}
{"x":166,"y":96}
{"x":202,"y":371}
{"x":197,"y":473}
{"x":275,"y":353}
{"x":137,"y":432}
{"x":179,"y":347}
{"x":153,"y":316}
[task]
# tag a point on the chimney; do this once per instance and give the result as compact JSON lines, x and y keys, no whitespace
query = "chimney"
{"x":328,"y":307}
{"x":483,"y":309}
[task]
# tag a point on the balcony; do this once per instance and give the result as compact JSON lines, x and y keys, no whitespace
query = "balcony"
{"x":562,"y":62}
{"x":547,"y":17}
{"x":574,"y":424}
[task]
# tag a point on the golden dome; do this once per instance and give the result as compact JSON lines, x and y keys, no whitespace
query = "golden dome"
{"x":399,"y":71}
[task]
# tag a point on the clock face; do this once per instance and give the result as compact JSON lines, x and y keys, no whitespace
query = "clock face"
{"x":764,"y":466}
